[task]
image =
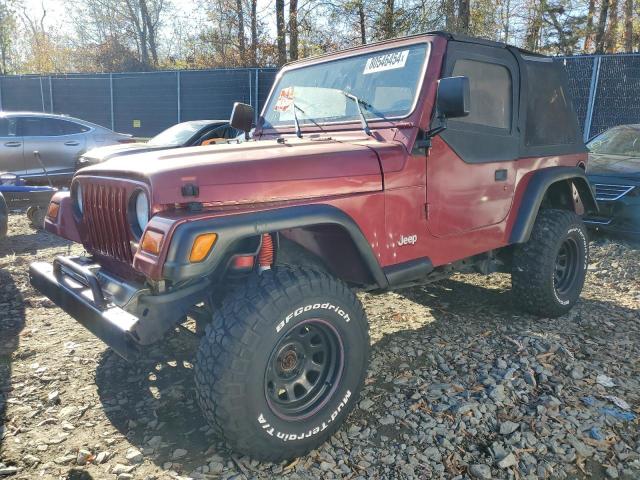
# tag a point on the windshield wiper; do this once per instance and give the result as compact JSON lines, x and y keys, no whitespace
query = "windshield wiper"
{"x":360,"y":104}
{"x":295,"y":119}
{"x":295,"y":107}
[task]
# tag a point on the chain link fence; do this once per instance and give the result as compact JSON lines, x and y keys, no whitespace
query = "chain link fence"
{"x":605,"y":90}
{"x":142,"y":104}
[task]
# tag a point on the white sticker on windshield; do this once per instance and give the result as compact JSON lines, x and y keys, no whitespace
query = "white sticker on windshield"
{"x":387,"y":61}
{"x":285,"y":100}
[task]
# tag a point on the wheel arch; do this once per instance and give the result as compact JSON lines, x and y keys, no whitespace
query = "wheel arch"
{"x":323,"y":230}
{"x":564,"y":188}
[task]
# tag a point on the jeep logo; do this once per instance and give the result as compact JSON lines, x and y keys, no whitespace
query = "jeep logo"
{"x":408,"y":240}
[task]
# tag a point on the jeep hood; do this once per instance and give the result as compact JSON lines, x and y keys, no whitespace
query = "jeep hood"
{"x":251,"y":172}
{"x":100,"y":154}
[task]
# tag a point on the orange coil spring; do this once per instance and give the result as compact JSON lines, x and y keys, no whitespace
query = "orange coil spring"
{"x":265,"y":257}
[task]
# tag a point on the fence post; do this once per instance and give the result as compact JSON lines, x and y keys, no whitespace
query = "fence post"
{"x":179,"y":94}
{"x":593,"y":87}
{"x":50,"y":95}
{"x":113,"y":120}
{"x":42,"y":95}
{"x":257,"y":95}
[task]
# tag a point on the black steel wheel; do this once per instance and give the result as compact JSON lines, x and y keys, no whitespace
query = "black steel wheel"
{"x":282,"y":363}
{"x":567,"y":266}
{"x":303,"y":369}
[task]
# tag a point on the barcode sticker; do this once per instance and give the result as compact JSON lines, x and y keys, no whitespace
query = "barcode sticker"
{"x":387,"y":61}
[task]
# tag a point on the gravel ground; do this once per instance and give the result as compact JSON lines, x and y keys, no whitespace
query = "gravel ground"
{"x":461,"y":385}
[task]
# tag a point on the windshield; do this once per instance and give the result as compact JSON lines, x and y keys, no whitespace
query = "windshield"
{"x":177,"y":135}
{"x":617,"y":141}
{"x":385,"y":82}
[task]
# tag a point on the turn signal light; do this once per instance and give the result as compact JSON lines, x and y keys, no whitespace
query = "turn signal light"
{"x":52,"y":211}
{"x":202,"y":246}
{"x":151,"y":242}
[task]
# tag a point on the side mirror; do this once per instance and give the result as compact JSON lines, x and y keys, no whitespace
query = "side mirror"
{"x":242,"y":117}
{"x":453,"y":97}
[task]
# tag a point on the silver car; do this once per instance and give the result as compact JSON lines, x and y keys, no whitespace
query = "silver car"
{"x":37,"y":145}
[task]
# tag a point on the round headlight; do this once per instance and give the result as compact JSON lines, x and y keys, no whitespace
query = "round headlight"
{"x":79,"y":198}
{"x":142,"y":210}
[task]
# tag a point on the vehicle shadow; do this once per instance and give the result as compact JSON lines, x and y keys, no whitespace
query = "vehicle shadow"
{"x":152,"y":402}
{"x":12,"y":319}
{"x":156,"y":396}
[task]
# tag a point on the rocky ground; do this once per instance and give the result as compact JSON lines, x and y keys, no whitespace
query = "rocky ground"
{"x":461,"y":385}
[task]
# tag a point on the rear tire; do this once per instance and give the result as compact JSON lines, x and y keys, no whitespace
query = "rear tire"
{"x":4,"y":217}
{"x":549,"y":270}
{"x":36,"y":217}
{"x":282,"y":363}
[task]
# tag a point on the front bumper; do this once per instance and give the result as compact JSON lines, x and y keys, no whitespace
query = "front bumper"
{"x":122,"y":314}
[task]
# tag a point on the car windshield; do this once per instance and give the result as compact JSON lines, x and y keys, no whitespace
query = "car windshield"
{"x":385,"y":82}
{"x":617,"y":141}
{"x":176,"y":135}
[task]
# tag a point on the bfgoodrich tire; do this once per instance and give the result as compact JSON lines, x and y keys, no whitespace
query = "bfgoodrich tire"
{"x":283,"y":362}
{"x":549,"y":270}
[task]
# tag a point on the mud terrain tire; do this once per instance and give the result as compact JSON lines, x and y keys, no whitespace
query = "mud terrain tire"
{"x":549,"y":270}
{"x":285,"y":326}
{"x":4,"y":217}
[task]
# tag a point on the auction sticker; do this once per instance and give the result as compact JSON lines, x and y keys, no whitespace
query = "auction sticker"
{"x":386,"y":61}
{"x":285,"y":100}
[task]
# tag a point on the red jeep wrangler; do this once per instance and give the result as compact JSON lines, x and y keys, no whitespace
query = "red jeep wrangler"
{"x":375,"y":168}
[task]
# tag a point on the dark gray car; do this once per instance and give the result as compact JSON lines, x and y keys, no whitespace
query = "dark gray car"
{"x":58,"y":140}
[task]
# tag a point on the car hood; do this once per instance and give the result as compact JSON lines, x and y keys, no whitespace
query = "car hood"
{"x":100,"y":154}
{"x":252,"y":172}
{"x":614,"y":165}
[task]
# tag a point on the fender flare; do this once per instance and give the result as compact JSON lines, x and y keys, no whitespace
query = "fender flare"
{"x":233,"y":228}
{"x":537,"y":188}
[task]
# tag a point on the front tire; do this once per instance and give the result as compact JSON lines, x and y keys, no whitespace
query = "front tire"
{"x":283,"y":362}
{"x":549,"y":270}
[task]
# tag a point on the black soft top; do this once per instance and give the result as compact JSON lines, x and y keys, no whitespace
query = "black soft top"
{"x":545,"y":117}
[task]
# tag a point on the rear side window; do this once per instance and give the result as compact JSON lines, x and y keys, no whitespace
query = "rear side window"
{"x":550,"y":119}
{"x":7,"y":127}
{"x":49,"y":127}
{"x":491,"y":93}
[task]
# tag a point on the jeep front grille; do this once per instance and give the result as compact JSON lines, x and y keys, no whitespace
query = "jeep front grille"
{"x":610,"y":193}
{"x":105,"y":218}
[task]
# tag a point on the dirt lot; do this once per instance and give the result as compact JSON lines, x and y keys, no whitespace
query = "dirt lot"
{"x":461,"y":385}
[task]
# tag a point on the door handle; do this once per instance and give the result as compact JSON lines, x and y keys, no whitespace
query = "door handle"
{"x":12,"y":144}
{"x":72,"y":143}
{"x":501,"y":175}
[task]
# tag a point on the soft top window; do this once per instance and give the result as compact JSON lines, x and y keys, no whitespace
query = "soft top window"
{"x":550,"y":119}
{"x":490,"y":93}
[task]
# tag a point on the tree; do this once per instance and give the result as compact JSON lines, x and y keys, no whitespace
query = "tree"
{"x":628,"y":25}
{"x":293,"y":29}
{"x":602,"y":24}
{"x":7,"y":33}
{"x":280,"y":33}
{"x":588,"y":37}
{"x":463,"y":16}
{"x":611,"y":37}
{"x":254,"y":32}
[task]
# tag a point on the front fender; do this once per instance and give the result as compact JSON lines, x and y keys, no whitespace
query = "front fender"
{"x":536,"y":189}
{"x":231,"y":229}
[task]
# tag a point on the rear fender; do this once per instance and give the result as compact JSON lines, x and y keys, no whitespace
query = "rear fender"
{"x":557,"y":187}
